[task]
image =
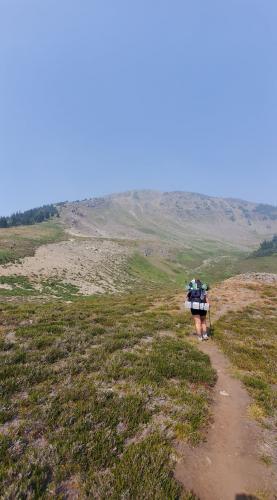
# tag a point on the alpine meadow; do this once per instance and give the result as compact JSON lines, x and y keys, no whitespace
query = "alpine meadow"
{"x":138,"y":250}
{"x":104,"y":391}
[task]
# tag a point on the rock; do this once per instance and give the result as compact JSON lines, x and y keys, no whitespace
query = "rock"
{"x":224,"y":393}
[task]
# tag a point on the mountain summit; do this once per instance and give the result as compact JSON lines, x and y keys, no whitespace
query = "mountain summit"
{"x":179,"y":217}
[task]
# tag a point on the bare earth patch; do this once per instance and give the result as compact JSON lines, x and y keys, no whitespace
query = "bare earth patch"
{"x":92,"y":265}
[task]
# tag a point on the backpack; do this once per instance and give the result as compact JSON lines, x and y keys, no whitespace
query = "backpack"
{"x":197,"y":291}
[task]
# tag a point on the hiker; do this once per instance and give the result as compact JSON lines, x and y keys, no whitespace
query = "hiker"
{"x":198,"y":303}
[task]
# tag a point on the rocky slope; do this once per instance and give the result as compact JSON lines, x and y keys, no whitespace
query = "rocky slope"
{"x":178,"y":217}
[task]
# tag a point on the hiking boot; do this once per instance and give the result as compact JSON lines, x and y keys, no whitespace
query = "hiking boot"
{"x":205,"y":336}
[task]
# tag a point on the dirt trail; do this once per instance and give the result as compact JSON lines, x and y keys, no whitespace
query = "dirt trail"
{"x":227,"y":465}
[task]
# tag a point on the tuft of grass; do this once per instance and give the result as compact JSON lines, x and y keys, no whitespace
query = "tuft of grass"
{"x":266,"y":459}
{"x":257,"y":412}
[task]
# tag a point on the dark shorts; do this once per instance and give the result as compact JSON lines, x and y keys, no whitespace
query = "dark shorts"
{"x":198,"y":312}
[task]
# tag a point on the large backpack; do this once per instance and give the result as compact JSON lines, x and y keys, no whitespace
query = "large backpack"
{"x":197,"y":291}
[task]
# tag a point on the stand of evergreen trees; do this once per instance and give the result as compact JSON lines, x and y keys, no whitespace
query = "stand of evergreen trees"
{"x":29,"y":217}
{"x":267,"y":247}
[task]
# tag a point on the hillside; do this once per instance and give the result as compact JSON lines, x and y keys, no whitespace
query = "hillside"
{"x":126,"y":241}
{"x":175,"y":217}
{"x":93,"y":388}
{"x":104,"y":397}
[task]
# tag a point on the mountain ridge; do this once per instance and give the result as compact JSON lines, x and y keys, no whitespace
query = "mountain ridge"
{"x":175,"y":191}
{"x":170,"y":213}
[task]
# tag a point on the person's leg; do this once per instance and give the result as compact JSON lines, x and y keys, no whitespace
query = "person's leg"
{"x":204,"y":327}
{"x":197,"y":321}
{"x":203,"y":324}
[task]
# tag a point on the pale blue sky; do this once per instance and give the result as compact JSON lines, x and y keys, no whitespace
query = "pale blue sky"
{"x":100,"y":96}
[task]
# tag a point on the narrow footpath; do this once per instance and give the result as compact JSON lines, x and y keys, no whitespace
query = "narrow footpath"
{"x":227,"y":465}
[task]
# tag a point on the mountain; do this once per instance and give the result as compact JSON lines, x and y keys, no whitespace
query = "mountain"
{"x":176,"y":217}
{"x":138,"y":238}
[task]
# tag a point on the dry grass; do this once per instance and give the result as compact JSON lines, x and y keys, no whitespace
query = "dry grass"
{"x":22,"y":241}
{"x":248,"y":337}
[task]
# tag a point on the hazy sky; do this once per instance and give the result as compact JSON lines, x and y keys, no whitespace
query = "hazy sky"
{"x":100,"y":96}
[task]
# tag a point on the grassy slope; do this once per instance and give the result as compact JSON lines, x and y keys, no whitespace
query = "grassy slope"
{"x":22,"y":241}
{"x":149,"y":270}
{"x":153,"y":271}
{"x":91,"y":391}
{"x":211,"y":266}
{"x":210,"y":261}
{"x":258,"y":264}
{"x":92,"y":396}
{"x":248,"y":337}
{"x":21,"y":286}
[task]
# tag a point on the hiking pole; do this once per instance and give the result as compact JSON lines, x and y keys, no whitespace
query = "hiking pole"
{"x":211,"y":326}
